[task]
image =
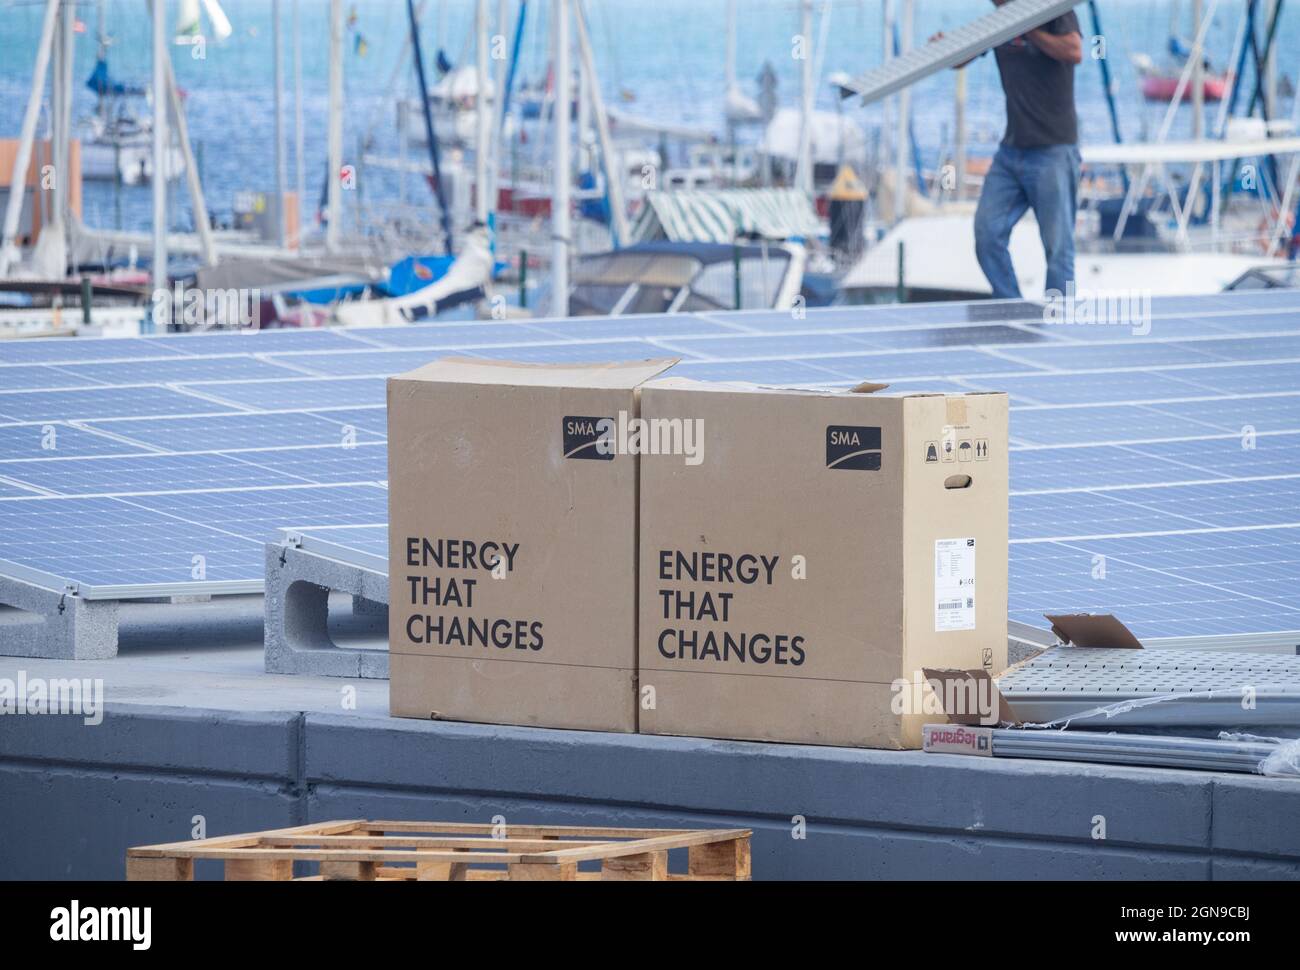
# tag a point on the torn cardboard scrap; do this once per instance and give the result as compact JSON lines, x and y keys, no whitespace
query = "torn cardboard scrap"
{"x":1093,"y":630}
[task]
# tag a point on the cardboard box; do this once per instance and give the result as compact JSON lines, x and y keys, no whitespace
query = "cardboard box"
{"x":512,"y":543}
{"x":826,"y":549}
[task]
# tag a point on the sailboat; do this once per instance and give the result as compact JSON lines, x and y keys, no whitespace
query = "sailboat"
{"x":117,"y":139}
{"x":1161,"y":85}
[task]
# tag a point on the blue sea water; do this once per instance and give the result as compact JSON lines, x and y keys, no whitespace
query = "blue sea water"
{"x":669,"y":54}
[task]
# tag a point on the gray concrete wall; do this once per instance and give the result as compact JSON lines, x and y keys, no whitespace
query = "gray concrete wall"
{"x":73,"y":798}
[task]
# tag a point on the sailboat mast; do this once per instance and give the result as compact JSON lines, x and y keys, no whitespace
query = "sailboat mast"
{"x":905,"y":27}
{"x":277,"y":68}
{"x":959,"y":136}
{"x":731,"y":45}
{"x":498,"y":98}
{"x":23,"y":157}
{"x":482,"y":115}
{"x":803,"y":167}
{"x":299,"y":131}
{"x":417,"y":55}
{"x":560,"y":196}
{"x":159,"y":182}
{"x":1198,"y":73}
{"x":613,"y":170}
{"x":59,"y":78}
{"x":334,"y":201}
{"x":102,"y":54}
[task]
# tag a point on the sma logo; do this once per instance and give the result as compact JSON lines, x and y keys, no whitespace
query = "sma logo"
{"x":582,"y":435}
{"x":853,"y":448}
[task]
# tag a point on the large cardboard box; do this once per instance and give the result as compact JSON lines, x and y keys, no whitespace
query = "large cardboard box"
{"x":822,"y":551}
{"x":512,"y":543}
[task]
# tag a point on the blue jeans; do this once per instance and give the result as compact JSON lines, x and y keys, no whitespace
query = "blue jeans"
{"x":1045,"y":180}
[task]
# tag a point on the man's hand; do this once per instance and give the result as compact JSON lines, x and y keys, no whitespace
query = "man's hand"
{"x":1062,"y":47}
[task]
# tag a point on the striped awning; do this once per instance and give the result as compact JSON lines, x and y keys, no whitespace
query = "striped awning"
{"x":720,"y":215}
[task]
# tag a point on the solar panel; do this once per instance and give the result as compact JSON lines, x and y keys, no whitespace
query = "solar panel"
{"x":957,"y":46}
{"x":361,"y":545}
{"x":1154,"y":475}
{"x":120,"y":547}
{"x":738,"y":346}
{"x":227,"y":432}
{"x":358,"y":363}
{"x":261,"y":513}
{"x":266,"y":342}
{"x":179,"y":371}
{"x":370,"y":419}
{"x":58,"y":439}
{"x":447,"y":336}
{"x":302,"y":393}
{"x":136,"y":474}
{"x":336,"y":464}
{"x":103,"y":402}
{"x":578,"y":352}
{"x":75,"y":350}
{"x":604,"y":328}
{"x":21,"y":377}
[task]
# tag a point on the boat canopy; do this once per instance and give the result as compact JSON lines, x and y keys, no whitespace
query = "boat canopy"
{"x":939,"y":263}
{"x":720,"y":215}
{"x":1174,"y":152}
{"x":668,"y":277}
{"x":103,"y":85}
{"x":835,"y":138}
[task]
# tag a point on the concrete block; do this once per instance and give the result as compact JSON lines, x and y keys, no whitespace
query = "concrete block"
{"x":233,"y":744}
{"x":297,"y":638}
{"x":1257,"y":816}
{"x":366,"y":607}
{"x":59,"y":625}
{"x":63,"y":823}
{"x":78,"y":796}
{"x":907,"y":790}
{"x":1263,"y":870}
{"x":825,"y":851}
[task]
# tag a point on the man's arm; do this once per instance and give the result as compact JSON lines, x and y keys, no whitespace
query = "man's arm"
{"x":1062,"y":47}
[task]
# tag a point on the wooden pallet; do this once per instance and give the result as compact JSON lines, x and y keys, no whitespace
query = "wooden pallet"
{"x":452,"y":851}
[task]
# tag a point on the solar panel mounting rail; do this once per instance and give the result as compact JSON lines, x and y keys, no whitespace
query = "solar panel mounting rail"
{"x":966,"y":42}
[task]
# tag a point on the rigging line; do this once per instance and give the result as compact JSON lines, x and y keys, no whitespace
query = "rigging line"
{"x":398,"y":71}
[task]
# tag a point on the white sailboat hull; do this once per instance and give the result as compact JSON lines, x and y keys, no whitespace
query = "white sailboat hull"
{"x":939,"y":254}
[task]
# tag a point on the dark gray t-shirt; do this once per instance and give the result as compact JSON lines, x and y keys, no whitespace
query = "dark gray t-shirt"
{"x":1039,"y":90}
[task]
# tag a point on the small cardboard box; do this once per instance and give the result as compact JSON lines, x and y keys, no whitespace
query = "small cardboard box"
{"x":820,"y":552}
{"x":512,"y":543}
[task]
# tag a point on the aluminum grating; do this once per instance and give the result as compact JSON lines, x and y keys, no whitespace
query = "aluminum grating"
{"x":1156,"y":689}
{"x":1142,"y":673}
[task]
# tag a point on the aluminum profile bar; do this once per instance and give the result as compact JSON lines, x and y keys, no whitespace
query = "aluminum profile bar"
{"x":966,"y":42}
{"x":1202,"y":754}
{"x":306,"y":542}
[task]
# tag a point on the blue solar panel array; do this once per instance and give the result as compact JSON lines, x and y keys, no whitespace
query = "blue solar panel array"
{"x":1155,"y":474}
